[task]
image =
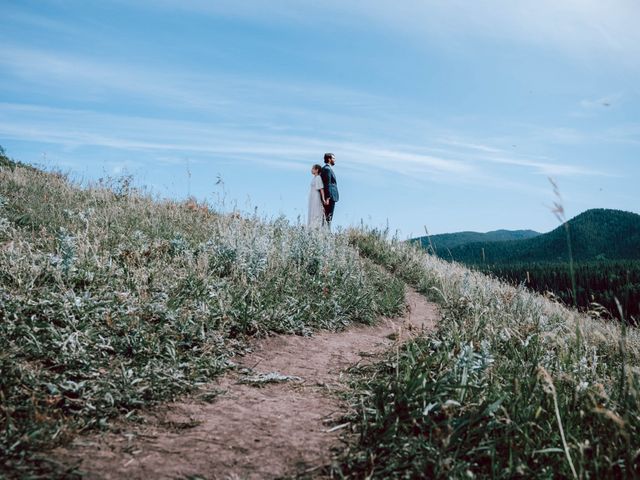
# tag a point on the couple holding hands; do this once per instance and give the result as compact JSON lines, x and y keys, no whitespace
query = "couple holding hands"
{"x":323,"y":194}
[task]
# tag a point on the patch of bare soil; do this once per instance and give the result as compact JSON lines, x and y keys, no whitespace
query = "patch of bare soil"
{"x":253,"y":429}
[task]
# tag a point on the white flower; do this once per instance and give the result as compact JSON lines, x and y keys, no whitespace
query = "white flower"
{"x":428,"y":408}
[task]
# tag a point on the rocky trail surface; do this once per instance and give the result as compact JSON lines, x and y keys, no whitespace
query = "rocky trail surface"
{"x":277,"y":415}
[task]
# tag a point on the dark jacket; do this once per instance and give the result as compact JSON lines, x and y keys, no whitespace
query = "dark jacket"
{"x":330,"y":183}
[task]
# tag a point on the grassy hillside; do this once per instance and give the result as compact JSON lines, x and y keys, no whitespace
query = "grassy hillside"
{"x":510,"y":385}
{"x":596,"y":234}
{"x":442,"y":242}
{"x":111,"y":300}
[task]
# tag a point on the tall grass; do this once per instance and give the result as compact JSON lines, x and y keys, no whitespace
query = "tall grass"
{"x":509,"y":385}
{"x":558,"y":211}
{"x":111,"y":300}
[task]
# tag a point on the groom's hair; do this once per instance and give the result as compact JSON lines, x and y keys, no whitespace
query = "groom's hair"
{"x":327,"y":157}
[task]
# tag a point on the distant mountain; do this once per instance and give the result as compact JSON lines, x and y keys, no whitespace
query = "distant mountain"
{"x":446,"y":241}
{"x":596,"y":234}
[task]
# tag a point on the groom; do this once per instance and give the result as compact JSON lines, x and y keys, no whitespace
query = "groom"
{"x":330,"y":187}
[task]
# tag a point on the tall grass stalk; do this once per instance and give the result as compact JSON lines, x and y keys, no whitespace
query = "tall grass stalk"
{"x":558,"y":211}
{"x":551,"y":390}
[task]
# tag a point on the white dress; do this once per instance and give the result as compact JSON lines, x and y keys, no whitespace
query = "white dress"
{"x":316,"y":211}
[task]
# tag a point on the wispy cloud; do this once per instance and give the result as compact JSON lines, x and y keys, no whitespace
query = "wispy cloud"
{"x":580,"y":28}
{"x":624,"y":134}
{"x":467,"y":145}
{"x":551,"y":169}
{"x":605,"y":101}
{"x":82,"y":78}
{"x":496,"y":155}
{"x":77,"y":128}
{"x":585,"y":29}
{"x":30,"y":19}
{"x":170,"y":141}
{"x":79,"y":78}
{"x":595,"y":106}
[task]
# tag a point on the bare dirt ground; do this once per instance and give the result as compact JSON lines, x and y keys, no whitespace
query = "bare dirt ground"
{"x":273,"y":430}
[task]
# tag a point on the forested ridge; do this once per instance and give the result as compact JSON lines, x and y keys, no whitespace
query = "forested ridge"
{"x":444,"y":241}
{"x":605,"y":252}
{"x":597,"y":234}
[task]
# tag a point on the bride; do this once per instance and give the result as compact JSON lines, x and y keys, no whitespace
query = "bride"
{"x":316,"y":199}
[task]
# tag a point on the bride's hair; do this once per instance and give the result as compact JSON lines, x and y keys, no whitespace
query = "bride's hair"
{"x":317,"y":168}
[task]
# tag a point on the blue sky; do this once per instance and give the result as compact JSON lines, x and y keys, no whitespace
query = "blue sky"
{"x":446,"y":115}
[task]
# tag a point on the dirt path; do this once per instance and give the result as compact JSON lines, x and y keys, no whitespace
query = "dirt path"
{"x":248,"y":431}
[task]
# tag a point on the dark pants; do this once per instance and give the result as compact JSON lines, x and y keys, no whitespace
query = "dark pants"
{"x":328,"y":212}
